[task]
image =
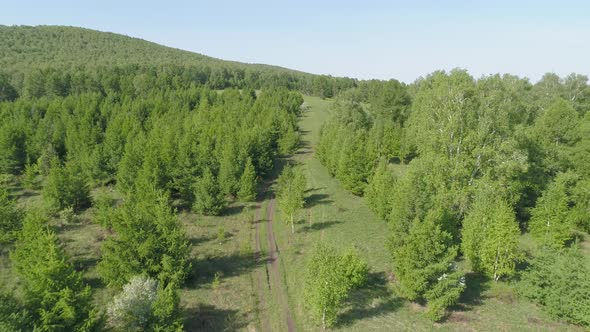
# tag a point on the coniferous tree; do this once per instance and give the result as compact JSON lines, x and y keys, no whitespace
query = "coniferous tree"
{"x":551,"y":223}
{"x":379,"y":192}
{"x":424,"y":263}
{"x":58,"y":298}
{"x":10,"y":217}
{"x":209,"y":199}
{"x":490,"y":233}
{"x":13,"y":315}
{"x":148,"y":240}
{"x":248,"y":182}
{"x":67,"y":187}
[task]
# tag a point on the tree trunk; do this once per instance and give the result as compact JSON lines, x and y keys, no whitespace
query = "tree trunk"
{"x":324,"y":319}
{"x":496,"y":277}
{"x":292,"y":226}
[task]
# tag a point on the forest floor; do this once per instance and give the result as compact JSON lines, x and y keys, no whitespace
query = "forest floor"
{"x":248,"y":268}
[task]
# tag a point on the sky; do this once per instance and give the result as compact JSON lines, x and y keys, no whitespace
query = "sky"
{"x":362,"y":39}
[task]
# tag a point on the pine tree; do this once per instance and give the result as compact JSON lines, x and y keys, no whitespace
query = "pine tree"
{"x":490,"y":233}
{"x":424,"y":264}
{"x":67,"y":187}
{"x":148,"y":240}
{"x":209,"y":199}
{"x":248,"y":182}
{"x":550,"y":223}
{"x":30,"y":176}
{"x":228,"y":170}
{"x":10,"y":217}
{"x":379,"y":192}
{"x":58,"y":298}
{"x":12,"y":148}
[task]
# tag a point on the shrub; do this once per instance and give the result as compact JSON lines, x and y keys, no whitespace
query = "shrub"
{"x":144,"y":306}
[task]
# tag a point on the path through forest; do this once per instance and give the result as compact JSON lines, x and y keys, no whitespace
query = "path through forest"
{"x":270,"y":278}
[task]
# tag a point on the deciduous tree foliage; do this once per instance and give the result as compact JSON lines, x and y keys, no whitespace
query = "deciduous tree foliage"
{"x":144,"y":306}
{"x":485,"y":157}
{"x":329,"y":279}
{"x":291,"y":186}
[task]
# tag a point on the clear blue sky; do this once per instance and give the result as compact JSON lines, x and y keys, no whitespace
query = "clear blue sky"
{"x":363,"y":39}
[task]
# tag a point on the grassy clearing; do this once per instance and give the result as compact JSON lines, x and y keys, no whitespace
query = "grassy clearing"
{"x":344,"y":220}
{"x":219,"y":295}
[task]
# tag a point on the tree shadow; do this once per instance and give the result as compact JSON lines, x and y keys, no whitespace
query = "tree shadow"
{"x":26,"y":193}
{"x":316,"y":199}
{"x":194,"y":241}
{"x":233,"y":210}
{"x":84,"y":263}
{"x":94,"y":282}
{"x":205,"y":269}
{"x":317,"y":226}
{"x":375,"y":299}
{"x":205,"y":317}
{"x":310,"y":190}
{"x":475,"y":287}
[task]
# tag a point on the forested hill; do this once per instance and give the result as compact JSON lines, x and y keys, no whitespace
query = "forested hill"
{"x":26,"y":50}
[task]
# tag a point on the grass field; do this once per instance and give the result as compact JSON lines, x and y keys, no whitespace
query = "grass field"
{"x":232,"y":286}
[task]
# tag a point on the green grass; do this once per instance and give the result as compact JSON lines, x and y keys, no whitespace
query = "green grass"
{"x":229,"y":306}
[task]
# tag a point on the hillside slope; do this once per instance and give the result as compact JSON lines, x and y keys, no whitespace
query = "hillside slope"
{"x":23,"y":46}
{"x":28,"y":52}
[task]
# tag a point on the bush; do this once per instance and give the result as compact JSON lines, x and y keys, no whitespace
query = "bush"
{"x":143,"y":306}
{"x":354,"y":268}
{"x":329,"y":279}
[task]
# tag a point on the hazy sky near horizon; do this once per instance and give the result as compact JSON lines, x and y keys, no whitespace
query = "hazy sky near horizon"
{"x":362,"y":39}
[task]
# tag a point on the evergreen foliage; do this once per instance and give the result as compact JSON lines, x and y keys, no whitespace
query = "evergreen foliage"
{"x":148,"y":240}
{"x":57,"y":297}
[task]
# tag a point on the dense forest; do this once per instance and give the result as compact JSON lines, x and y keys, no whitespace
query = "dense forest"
{"x":487,"y":177}
{"x":487,"y":160}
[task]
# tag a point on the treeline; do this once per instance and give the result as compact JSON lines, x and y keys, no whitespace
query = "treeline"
{"x":58,"y":61}
{"x":164,"y":149}
{"x":460,"y":168}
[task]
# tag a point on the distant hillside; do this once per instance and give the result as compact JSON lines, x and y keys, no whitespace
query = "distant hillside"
{"x":22,"y":46}
{"x":25,"y":49}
